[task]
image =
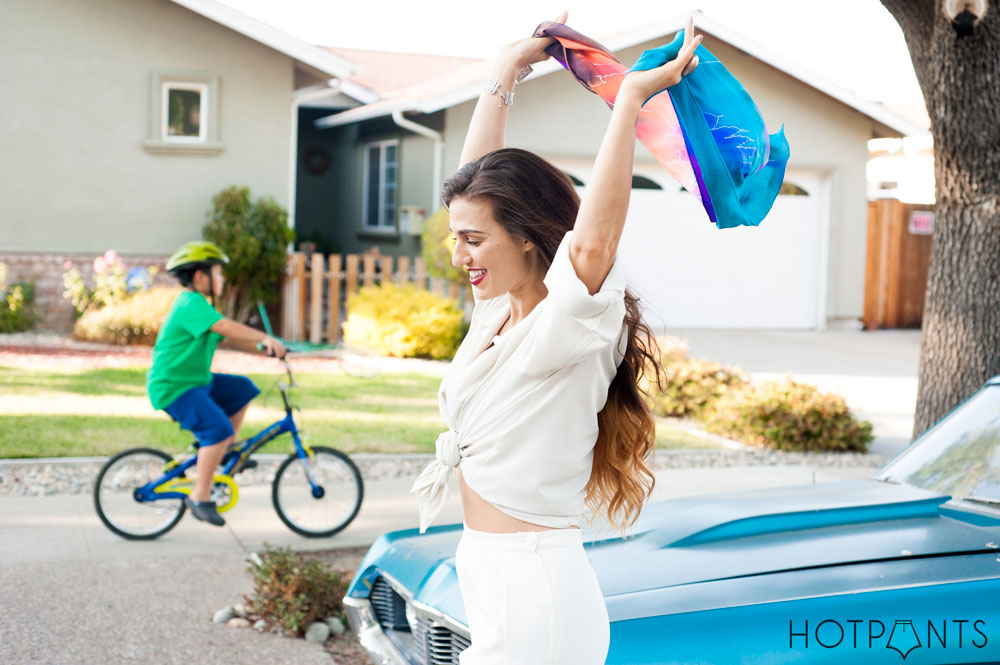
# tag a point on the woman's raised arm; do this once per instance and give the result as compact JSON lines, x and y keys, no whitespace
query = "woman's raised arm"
{"x":604,"y":205}
{"x":489,"y":120}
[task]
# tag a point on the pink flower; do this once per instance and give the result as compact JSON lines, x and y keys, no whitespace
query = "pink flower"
{"x":67,"y":264}
{"x":100,"y":264}
{"x":110,"y":256}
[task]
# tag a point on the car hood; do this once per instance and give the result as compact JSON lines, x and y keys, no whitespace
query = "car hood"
{"x":729,"y":535}
{"x":736,"y":534}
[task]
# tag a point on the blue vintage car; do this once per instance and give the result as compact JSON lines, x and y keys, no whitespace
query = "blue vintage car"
{"x":903,"y":567}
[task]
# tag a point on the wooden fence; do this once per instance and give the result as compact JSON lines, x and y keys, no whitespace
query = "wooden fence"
{"x":899,"y":255}
{"x":315,"y":289}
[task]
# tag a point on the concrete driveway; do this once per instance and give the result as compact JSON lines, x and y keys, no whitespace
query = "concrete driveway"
{"x":875,"y":371}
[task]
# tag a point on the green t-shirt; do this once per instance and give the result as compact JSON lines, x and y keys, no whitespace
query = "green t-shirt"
{"x":182,"y":357}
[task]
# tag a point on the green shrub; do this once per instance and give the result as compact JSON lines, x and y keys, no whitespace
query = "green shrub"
{"x":403,"y":321}
{"x":789,"y":416}
{"x":690,"y":386}
{"x":437,"y":244}
{"x":17,"y":301}
{"x":255,"y":237}
{"x":135,"y":320}
{"x":292,"y":592}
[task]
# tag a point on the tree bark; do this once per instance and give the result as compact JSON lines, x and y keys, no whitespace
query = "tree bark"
{"x":960,"y":81}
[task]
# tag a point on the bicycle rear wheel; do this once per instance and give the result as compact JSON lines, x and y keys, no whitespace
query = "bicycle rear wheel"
{"x":329,"y":508}
{"x":114,"y":495}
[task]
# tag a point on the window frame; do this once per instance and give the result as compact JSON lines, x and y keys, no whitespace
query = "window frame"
{"x":382,"y":226}
{"x":207,"y":141}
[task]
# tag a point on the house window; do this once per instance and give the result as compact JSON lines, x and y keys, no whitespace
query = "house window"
{"x":381,"y":159}
{"x":181,"y":116}
{"x":184,"y":113}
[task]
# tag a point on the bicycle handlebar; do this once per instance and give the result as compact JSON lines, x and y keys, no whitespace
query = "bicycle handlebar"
{"x":283,"y":359}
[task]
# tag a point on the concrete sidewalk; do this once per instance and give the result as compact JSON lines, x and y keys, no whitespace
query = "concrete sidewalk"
{"x":72,"y":592}
{"x":66,"y":527}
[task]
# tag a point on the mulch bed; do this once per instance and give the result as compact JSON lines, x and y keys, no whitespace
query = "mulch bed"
{"x":346,"y":650}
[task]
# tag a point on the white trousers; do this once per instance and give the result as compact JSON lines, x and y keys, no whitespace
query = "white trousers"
{"x":531,"y":598}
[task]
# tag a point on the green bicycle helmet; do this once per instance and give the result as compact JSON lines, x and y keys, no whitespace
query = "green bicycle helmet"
{"x":195,"y":254}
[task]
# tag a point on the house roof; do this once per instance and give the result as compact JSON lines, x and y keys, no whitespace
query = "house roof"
{"x":385,"y":73}
{"x":314,"y":56}
{"x":464,"y":82}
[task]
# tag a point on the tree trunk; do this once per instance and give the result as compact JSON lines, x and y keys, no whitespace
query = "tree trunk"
{"x":960,"y":81}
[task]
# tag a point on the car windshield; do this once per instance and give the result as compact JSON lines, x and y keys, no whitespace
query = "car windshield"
{"x":960,"y":456}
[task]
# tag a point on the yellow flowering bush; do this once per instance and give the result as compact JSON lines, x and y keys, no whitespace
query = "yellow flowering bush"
{"x":135,"y":320}
{"x":437,"y":244}
{"x":16,"y":304}
{"x":403,"y":321}
{"x":787,"y":415}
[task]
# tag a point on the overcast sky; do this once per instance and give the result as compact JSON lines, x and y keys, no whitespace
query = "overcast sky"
{"x":854,"y":43}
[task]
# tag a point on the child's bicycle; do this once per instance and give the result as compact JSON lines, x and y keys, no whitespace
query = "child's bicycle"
{"x":317,"y":491}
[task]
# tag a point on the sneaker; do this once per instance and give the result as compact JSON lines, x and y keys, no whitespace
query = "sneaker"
{"x":249,"y":464}
{"x":205,"y":511}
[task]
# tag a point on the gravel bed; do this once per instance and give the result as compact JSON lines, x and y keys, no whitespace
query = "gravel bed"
{"x":76,"y":476}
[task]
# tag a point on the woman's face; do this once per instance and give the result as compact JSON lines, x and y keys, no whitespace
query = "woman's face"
{"x":495,"y":261}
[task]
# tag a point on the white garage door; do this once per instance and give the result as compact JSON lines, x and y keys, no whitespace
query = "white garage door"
{"x":691,"y":274}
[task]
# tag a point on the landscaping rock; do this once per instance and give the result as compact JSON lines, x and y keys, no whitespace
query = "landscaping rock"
{"x":336,"y":625}
{"x":260,"y":625}
{"x":240,"y":610}
{"x":317,"y":632}
{"x":223,"y":615}
{"x":238,"y":622}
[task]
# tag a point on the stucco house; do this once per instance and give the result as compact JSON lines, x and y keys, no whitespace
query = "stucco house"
{"x":124,"y":117}
{"x":803,"y":267}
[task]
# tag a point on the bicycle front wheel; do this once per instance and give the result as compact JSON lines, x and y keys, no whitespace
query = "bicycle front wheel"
{"x":323,"y":509}
{"x":114,"y":495}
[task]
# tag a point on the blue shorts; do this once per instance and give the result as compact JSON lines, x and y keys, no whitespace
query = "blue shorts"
{"x":205,"y":410}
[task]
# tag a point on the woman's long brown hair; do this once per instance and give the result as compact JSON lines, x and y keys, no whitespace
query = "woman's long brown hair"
{"x":534,"y":200}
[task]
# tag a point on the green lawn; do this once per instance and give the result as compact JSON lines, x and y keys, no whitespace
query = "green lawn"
{"x":100,"y":411}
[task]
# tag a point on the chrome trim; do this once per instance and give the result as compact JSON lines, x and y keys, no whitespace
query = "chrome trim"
{"x":426,"y":611}
{"x":364,"y":624}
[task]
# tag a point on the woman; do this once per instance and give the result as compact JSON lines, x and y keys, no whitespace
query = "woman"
{"x":541,"y":400}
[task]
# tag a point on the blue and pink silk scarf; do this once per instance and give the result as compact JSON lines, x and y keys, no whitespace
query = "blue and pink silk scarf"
{"x":707,"y":131}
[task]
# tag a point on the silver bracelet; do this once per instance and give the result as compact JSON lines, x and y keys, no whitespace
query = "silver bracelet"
{"x":504,"y":98}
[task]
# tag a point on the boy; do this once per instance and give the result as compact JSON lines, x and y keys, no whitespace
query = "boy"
{"x":180,"y":380}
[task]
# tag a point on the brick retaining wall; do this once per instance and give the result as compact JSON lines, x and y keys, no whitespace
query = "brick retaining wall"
{"x":46,"y":271}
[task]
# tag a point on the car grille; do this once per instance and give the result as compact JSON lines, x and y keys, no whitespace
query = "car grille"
{"x":430,"y":643}
{"x":438,"y":645}
{"x":390,"y":608}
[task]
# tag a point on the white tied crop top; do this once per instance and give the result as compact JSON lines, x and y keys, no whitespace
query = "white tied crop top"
{"x":522,"y":415}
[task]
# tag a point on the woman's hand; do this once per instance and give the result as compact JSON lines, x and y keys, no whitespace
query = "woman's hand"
{"x":528,"y":51}
{"x":488,"y":126}
{"x":644,"y":84}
